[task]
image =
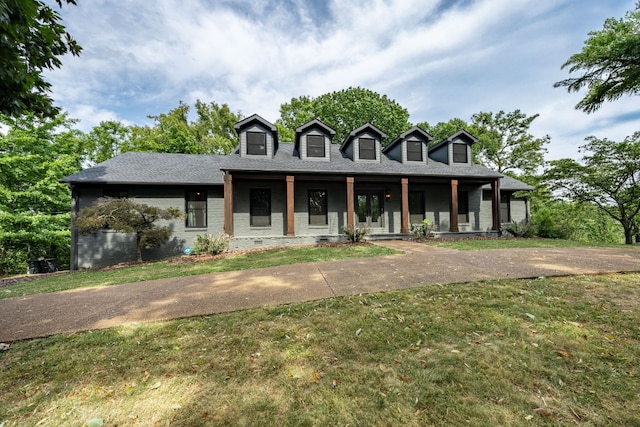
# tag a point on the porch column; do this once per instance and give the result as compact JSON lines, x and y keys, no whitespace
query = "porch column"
{"x":228,"y":204}
{"x":495,"y":205}
{"x":290,"y":206}
{"x":350,"y":203}
{"x":453,"y":212}
{"x":404,"y":214}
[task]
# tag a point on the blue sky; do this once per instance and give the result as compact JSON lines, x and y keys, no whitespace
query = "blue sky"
{"x":440,"y":59}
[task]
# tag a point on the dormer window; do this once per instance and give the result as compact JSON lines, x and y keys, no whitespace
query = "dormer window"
{"x":257,"y":143}
{"x":414,"y":151}
{"x":367,"y":149}
{"x":315,"y":146}
{"x":460,"y":153}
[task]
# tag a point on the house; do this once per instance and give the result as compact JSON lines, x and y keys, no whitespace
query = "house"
{"x":272,"y":193}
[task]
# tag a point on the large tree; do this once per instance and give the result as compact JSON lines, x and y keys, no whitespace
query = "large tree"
{"x":210,"y":133}
{"x":344,"y":111}
{"x":34,"y":206}
{"x":609,"y":63}
{"x":127,"y":216}
{"x":608,"y":177}
{"x":32,"y":39}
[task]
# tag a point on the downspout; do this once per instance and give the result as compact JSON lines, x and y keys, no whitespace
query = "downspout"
{"x":75,"y":206}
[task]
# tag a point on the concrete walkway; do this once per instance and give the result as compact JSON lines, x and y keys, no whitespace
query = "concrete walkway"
{"x":97,"y":308}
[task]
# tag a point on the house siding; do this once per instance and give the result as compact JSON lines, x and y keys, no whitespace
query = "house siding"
{"x":303,"y":146}
{"x":108,"y":247}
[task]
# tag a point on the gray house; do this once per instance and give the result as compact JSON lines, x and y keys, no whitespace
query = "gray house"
{"x":270,"y":193}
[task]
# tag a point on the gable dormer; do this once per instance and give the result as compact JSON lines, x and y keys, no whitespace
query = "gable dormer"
{"x":455,"y":150}
{"x":364,"y":144}
{"x":258,"y":137}
{"x":313,"y":141}
{"x":410,"y":147}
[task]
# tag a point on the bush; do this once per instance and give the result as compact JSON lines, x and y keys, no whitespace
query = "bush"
{"x":356,"y":235}
{"x":208,"y":244}
{"x":520,"y":229}
{"x":422,"y":230}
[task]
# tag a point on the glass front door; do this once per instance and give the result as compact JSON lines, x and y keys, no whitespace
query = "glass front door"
{"x":369,"y":209}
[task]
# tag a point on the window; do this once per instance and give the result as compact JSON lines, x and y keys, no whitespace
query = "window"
{"x":257,"y":143}
{"x":416,"y":207}
{"x":260,"y":207}
{"x":317,"y":207}
{"x":115,"y":193}
{"x":414,"y":151}
{"x":196,"y":208}
{"x":367,"y":149}
{"x":315,"y":146}
{"x":460,"y":153}
{"x":463,"y":206}
{"x":504,"y":207}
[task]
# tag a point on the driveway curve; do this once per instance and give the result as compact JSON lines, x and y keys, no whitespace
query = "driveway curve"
{"x":97,"y":308}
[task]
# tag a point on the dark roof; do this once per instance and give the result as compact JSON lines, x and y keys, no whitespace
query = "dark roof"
{"x":508,"y":183}
{"x":356,"y":132}
{"x":425,"y":135}
{"x":257,"y":119}
{"x":287,"y":160}
{"x":472,"y":139}
{"x":153,"y":168}
{"x":315,"y":123}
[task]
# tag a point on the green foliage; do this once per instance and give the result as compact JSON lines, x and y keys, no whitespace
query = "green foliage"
{"x":609,"y":63}
{"x":608,"y":177}
{"x":344,"y":111}
{"x":126,"y":216}
{"x":422,"y":230}
{"x":107,"y":140}
{"x":443,"y":130}
{"x":356,"y":234}
{"x":520,"y":229}
{"x":210,"y":244}
{"x":34,"y":206}
{"x":32,"y":40}
{"x":211,"y":133}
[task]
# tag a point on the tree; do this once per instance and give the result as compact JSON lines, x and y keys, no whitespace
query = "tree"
{"x":505,"y":144}
{"x":609,"y":178}
{"x":211,"y":133}
{"x":31,"y":40}
{"x":107,"y":140}
{"x":609,"y":63}
{"x":442,"y":130}
{"x":344,"y":111}
{"x":126,"y":216}
{"x":34,"y":206}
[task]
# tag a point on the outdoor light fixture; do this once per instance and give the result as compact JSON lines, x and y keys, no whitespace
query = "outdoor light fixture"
{"x":387,"y":195}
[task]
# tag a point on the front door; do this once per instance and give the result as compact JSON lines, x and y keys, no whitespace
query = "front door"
{"x":369,"y":208}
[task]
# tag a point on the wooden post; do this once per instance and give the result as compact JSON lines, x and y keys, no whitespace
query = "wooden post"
{"x":404,"y":214}
{"x":290,"y":205}
{"x":453,"y":213}
{"x":495,"y":205}
{"x":350,"y":203}
{"x":228,"y":204}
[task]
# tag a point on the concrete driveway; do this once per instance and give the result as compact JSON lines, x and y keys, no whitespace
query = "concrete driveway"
{"x":96,"y":308}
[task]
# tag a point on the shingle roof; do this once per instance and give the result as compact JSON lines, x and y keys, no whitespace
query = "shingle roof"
{"x":287,"y":160}
{"x":511,"y":184}
{"x":153,"y":168}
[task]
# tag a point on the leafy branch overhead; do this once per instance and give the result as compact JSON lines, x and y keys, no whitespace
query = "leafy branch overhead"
{"x":33,"y":40}
{"x":609,"y":63}
{"x":126,"y":216}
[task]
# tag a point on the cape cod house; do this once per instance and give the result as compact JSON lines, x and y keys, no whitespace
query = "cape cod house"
{"x":270,"y":193}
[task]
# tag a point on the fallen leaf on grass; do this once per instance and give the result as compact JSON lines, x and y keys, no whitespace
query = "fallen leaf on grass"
{"x":543,"y":412}
{"x":564,"y":353}
{"x":316,"y":378}
{"x":358,"y":332}
{"x":156,"y":385}
{"x":335,"y":383}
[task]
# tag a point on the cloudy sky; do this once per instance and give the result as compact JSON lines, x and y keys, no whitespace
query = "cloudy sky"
{"x":440,"y":59}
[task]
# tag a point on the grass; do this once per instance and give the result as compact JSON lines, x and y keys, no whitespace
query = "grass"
{"x":550,"y":351}
{"x":513,"y":243}
{"x":171,"y":268}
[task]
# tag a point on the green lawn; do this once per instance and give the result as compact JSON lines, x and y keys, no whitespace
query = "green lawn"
{"x":511,"y":243}
{"x":550,"y":351}
{"x":178,"y":267}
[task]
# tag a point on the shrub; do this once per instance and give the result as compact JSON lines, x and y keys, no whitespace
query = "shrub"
{"x":354,"y":234}
{"x":208,"y":244}
{"x":423,"y":229}
{"x":520,"y":229}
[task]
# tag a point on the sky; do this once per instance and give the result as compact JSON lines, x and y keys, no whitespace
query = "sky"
{"x":439,"y":59}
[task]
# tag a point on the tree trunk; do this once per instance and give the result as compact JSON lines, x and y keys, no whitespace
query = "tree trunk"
{"x":138,"y":248}
{"x":628,"y":235}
